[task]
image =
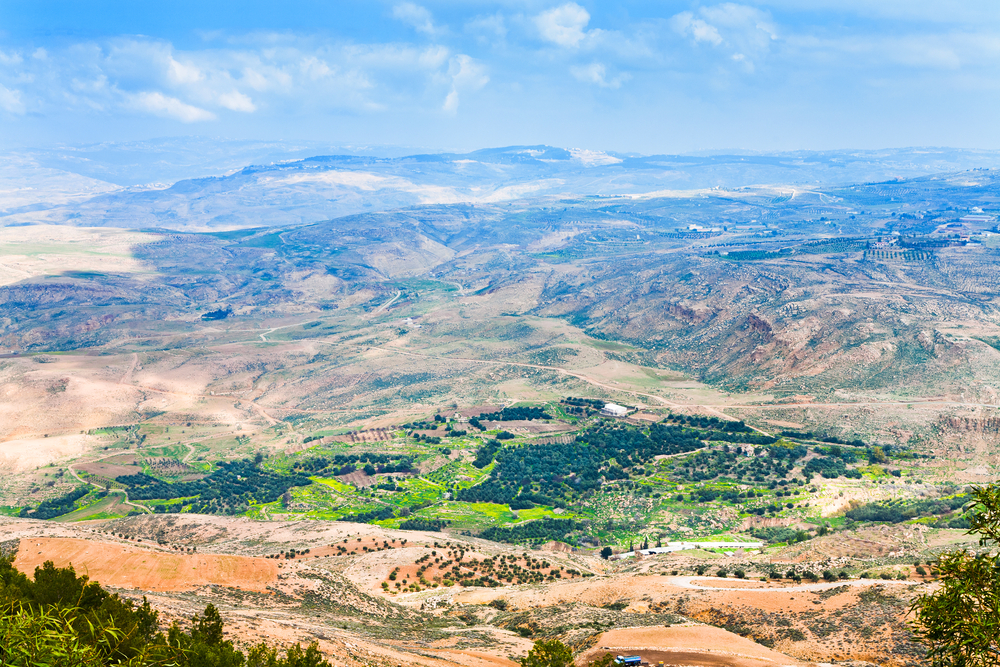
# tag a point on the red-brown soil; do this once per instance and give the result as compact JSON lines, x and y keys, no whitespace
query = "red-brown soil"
{"x":127,"y":566}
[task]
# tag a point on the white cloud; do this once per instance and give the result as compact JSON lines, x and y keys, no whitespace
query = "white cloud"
{"x":433,"y":57}
{"x":237,"y":101}
{"x":265,"y":77}
{"x":597,"y":73}
{"x":743,"y":25}
{"x":171,"y":107}
{"x":10,"y":100}
{"x":466,"y":74}
{"x":686,"y":24}
{"x":416,"y":16}
{"x":563,"y":25}
{"x":745,"y":33}
{"x":183,"y":73}
{"x":10,"y":59}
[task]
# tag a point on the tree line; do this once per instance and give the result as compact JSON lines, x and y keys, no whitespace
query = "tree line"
{"x":574,"y":470}
{"x":229,"y":489}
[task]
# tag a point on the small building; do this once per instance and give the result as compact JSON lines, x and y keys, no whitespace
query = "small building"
{"x":612,"y":410}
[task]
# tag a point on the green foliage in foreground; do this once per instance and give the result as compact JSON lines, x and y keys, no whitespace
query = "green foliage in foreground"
{"x":551,"y":653}
{"x":62,"y":620}
{"x":960,"y":621}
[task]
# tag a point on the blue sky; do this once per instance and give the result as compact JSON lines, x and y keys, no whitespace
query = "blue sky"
{"x":646,"y":77}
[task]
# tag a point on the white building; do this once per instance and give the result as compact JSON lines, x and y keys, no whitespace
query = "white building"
{"x":612,"y":410}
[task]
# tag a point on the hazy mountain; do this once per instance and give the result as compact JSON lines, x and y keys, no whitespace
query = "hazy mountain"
{"x":84,"y":187}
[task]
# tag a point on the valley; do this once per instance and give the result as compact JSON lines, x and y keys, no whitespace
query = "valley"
{"x":384,"y":430}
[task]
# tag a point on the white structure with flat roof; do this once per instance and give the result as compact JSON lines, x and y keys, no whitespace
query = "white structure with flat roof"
{"x":612,"y":410}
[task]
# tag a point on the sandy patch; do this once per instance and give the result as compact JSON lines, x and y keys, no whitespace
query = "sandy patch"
{"x":734,"y":583}
{"x":21,"y":455}
{"x":476,"y":658}
{"x":642,"y":591}
{"x":784,"y":424}
{"x":526,"y":426}
{"x":127,"y":566}
{"x":687,"y":645}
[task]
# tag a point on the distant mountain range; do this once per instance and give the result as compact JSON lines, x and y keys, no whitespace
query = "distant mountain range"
{"x":84,"y":187}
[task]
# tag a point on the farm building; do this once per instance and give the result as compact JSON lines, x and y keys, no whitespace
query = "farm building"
{"x":612,"y":410}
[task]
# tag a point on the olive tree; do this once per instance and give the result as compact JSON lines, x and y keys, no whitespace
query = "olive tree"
{"x":960,"y":621}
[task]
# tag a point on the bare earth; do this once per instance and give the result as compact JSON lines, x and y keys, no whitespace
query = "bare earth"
{"x":127,"y":566}
{"x":694,"y":645}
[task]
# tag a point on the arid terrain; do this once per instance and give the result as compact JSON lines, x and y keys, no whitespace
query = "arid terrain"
{"x":384,"y":430}
{"x":657,"y":606}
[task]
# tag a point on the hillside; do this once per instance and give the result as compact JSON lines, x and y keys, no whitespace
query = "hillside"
{"x":659,"y":606}
{"x":383,"y":430}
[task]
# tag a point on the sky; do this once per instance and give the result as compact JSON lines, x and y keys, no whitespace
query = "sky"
{"x":628,"y":76}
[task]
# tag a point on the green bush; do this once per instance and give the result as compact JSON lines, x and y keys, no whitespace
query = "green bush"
{"x":62,"y":620}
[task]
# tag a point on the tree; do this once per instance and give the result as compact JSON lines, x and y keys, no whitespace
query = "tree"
{"x":64,"y":620}
{"x":265,"y":656}
{"x":33,"y":636}
{"x":604,"y":661}
{"x":960,"y":621}
{"x":208,"y":628}
{"x":551,"y":653}
{"x":606,"y":553}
